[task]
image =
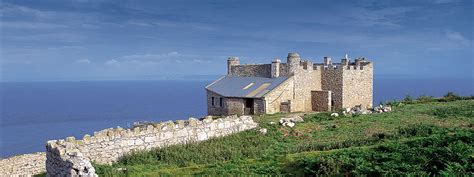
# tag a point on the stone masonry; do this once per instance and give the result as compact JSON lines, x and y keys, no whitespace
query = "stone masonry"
{"x":349,"y":84}
{"x":23,"y":165}
{"x":72,"y":157}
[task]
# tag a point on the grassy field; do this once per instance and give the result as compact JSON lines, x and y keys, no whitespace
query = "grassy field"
{"x":421,"y":136}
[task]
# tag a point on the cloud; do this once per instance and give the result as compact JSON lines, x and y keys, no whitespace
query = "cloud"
{"x":147,"y":60}
{"x":85,"y":61}
{"x":455,"y":36}
{"x":172,"y":24}
{"x":31,"y":25}
{"x":112,"y":62}
{"x":444,"y":1}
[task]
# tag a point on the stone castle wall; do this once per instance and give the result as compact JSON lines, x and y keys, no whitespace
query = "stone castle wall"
{"x":256,"y":70}
{"x":357,"y":86}
{"x":23,"y":165}
{"x":307,"y":79}
{"x":350,"y":83}
{"x":332,"y":80}
{"x":74,"y":157}
{"x":321,"y":100}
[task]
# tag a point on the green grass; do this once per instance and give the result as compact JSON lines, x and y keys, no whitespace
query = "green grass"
{"x":399,"y":142}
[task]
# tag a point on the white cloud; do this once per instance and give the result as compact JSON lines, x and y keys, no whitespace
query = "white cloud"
{"x":112,"y":62}
{"x":31,"y":25}
{"x":445,"y":1}
{"x":85,"y":61}
{"x":455,"y":36}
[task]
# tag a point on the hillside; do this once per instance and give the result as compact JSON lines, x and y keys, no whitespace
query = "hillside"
{"x":423,"y":136}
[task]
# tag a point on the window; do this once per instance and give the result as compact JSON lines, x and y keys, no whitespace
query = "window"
{"x":221,"y":102}
{"x":248,"y":86}
{"x":212,"y":101}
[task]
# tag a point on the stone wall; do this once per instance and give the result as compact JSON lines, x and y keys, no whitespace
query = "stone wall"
{"x":321,"y":100}
{"x":282,"y":93}
{"x":307,"y":79}
{"x":331,"y":79}
{"x":358,"y":86}
{"x":216,"y":109}
{"x":23,"y":165}
{"x":350,"y":83}
{"x":256,"y":70}
{"x":73,"y":157}
{"x":235,"y":106}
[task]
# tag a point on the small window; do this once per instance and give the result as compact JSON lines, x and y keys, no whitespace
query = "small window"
{"x":248,"y":86}
{"x":212,"y":101}
{"x":221,"y":102}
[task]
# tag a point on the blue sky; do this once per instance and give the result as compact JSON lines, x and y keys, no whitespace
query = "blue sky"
{"x":115,"y":39}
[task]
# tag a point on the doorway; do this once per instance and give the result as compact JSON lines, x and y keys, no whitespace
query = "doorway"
{"x":248,"y":106}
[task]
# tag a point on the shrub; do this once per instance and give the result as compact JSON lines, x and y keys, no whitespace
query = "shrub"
{"x":425,"y":99}
{"x":439,"y":154}
{"x":408,"y":99}
{"x":445,"y":112}
{"x":451,"y":96}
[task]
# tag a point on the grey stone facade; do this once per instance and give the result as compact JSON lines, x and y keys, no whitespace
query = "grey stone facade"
{"x":350,"y":84}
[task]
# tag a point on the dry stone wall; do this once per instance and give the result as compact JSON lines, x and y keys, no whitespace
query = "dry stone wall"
{"x":73,"y":157}
{"x":23,"y":165}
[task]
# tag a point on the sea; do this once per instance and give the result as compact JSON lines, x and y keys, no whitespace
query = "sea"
{"x":33,"y":112}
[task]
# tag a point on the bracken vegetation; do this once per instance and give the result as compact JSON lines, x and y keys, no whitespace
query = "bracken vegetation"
{"x":422,"y":136}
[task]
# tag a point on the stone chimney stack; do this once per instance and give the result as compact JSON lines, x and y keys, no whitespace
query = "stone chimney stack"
{"x":276,"y":68}
{"x":232,"y":61}
{"x":344,"y":62}
{"x":327,"y":61}
{"x":293,"y":62}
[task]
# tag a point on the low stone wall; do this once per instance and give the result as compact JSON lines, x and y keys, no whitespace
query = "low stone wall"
{"x":23,"y":165}
{"x":73,"y":157}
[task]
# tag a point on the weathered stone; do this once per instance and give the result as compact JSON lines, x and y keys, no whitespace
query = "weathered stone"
{"x":312,"y":87}
{"x":86,"y":138}
{"x":193,"y":122}
{"x":71,"y":139}
{"x":111,"y":145}
{"x":136,"y":130}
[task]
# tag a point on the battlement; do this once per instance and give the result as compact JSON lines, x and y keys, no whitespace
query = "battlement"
{"x":293,"y":64}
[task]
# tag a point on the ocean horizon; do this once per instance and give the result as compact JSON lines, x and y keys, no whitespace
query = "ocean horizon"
{"x":33,"y":112}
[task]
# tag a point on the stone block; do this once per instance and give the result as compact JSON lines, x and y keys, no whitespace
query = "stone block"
{"x":149,"y":129}
{"x":149,"y":139}
{"x":170,"y":125}
{"x":180,"y":123}
{"x":193,"y":122}
{"x":86,"y":138}
{"x":136,"y":130}
{"x":71,"y":139}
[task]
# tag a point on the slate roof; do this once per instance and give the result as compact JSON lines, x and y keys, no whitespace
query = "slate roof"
{"x":244,"y":87}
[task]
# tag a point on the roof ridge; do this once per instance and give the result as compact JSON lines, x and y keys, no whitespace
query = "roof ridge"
{"x":222,"y":77}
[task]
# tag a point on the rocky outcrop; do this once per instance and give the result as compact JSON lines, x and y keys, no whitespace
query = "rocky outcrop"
{"x":23,"y":165}
{"x":73,"y":157}
{"x":291,"y":120}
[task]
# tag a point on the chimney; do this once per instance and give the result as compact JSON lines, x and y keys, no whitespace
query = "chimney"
{"x":344,"y":62}
{"x":276,"y":68}
{"x":327,"y":61}
{"x":232,"y":61}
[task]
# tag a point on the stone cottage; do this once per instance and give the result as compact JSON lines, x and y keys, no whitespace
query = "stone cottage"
{"x":295,"y":86}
